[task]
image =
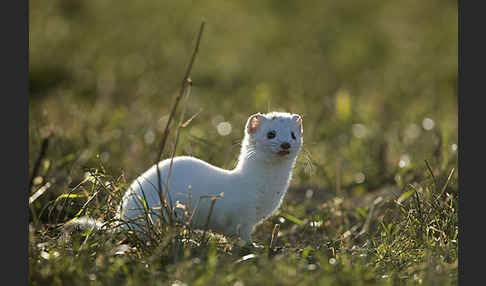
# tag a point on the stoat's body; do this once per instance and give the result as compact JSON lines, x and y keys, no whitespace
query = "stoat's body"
{"x":253,"y":191}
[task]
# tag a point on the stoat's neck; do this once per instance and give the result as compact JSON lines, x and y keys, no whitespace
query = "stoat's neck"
{"x":253,"y":162}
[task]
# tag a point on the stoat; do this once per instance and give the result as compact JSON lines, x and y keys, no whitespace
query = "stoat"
{"x":252,"y":191}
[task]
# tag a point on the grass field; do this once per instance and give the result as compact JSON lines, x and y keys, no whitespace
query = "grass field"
{"x":373,"y":199}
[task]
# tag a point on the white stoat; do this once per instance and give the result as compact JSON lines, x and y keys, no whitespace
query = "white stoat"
{"x":253,"y":190}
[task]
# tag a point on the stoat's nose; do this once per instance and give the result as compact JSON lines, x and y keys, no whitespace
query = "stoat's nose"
{"x":285,"y":145}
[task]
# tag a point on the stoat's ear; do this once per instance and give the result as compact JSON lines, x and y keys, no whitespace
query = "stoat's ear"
{"x":298,"y":119}
{"x":254,"y":122}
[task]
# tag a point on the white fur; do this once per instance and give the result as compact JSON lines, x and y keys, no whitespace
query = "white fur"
{"x":253,"y":190}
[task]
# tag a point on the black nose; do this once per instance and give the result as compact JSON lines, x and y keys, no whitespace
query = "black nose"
{"x":285,"y":145}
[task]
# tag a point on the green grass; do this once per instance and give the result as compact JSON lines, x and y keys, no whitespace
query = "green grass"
{"x":403,"y":237}
{"x":371,"y":202}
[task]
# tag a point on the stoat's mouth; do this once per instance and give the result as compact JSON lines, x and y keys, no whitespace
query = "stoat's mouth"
{"x":283,"y":152}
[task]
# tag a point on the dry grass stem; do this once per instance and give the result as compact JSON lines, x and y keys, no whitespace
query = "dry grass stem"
{"x":185,"y":83}
{"x":274,"y":235}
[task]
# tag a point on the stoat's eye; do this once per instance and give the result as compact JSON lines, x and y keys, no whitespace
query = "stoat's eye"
{"x":271,"y":134}
{"x":293,"y":135}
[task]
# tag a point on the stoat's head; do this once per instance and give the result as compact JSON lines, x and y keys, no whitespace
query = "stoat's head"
{"x":274,"y":135}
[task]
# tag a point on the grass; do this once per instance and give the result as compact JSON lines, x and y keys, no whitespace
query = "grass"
{"x":403,"y":237}
{"x":373,"y":199}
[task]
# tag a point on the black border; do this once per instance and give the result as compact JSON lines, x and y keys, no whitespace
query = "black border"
{"x":471,"y":88}
{"x":14,"y":27}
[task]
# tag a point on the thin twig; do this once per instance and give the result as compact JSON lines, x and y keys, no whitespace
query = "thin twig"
{"x":213,"y":201}
{"x":35,"y":196}
{"x":39,"y":192}
{"x":184,"y":125}
{"x":274,"y":235}
{"x":445,"y":185}
{"x":66,"y":199}
{"x":185,"y":82}
{"x":221,"y":195}
{"x":166,"y":192}
{"x":431,"y":173}
{"x":181,"y":93}
{"x":146,"y":210}
{"x":367,"y":223}
{"x":42,"y":153}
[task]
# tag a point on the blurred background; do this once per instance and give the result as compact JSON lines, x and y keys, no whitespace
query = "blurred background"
{"x":375,"y":81}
